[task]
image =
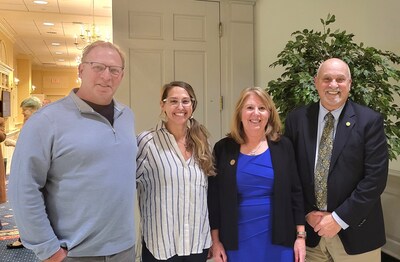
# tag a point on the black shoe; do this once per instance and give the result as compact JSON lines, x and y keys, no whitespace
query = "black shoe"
{"x":15,"y":245}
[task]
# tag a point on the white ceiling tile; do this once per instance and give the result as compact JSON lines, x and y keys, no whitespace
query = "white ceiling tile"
{"x":24,"y":21}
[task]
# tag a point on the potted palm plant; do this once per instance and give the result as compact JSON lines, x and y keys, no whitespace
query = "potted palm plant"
{"x":375,"y":78}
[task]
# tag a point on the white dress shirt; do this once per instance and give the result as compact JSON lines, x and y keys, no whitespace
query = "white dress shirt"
{"x":321,"y":123}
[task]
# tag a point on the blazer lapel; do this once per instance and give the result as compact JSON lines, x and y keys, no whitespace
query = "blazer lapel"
{"x":347,"y":121}
{"x":310,"y":135}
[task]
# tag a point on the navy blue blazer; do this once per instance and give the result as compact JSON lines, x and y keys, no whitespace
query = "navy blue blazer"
{"x":357,"y":175}
{"x":288,"y":207}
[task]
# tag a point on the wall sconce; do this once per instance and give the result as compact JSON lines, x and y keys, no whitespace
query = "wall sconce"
{"x":16,"y":81}
{"x":33,"y":88}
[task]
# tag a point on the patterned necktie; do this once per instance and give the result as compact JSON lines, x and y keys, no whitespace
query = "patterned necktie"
{"x":323,"y":162}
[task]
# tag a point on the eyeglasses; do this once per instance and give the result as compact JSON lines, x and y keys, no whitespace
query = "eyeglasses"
{"x":100,"y":67}
{"x":186,"y":102}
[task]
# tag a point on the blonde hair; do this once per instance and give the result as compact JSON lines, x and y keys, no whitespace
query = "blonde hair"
{"x":274,"y":125}
{"x":197,"y":135}
{"x":105,"y":44}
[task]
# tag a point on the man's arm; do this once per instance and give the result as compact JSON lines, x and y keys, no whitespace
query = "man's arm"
{"x":2,"y":130}
{"x":375,"y":170}
{"x":28,"y":177}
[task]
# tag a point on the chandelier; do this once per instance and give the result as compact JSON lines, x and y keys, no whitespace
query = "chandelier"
{"x":88,"y":34}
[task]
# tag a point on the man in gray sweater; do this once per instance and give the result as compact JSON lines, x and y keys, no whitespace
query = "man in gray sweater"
{"x":72,"y":181}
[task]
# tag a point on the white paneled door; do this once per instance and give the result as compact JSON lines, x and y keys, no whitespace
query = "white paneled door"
{"x":167,"y":40}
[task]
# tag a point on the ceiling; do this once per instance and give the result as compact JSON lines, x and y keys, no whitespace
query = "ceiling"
{"x":23,"y":22}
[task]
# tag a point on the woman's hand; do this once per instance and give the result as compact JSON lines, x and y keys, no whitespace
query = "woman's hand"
{"x":218,"y":252}
{"x":300,"y":250}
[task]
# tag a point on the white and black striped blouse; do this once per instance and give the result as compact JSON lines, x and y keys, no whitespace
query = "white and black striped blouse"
{"x":172,"y":195}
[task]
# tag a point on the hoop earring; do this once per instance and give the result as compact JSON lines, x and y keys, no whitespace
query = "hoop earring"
{"x":189,"y":122}
{"x":163,"y":116}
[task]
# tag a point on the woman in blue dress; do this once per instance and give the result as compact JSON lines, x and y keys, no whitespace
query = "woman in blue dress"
{"x":255,"y":200}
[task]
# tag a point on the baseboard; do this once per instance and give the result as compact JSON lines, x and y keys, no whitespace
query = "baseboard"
{"x":391,"y":209}
{"x":392,"y":248}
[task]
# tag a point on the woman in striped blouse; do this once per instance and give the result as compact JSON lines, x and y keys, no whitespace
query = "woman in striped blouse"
{"x":173,"y":162}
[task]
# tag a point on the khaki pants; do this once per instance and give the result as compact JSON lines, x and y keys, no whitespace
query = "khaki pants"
{"x":332,"y":250}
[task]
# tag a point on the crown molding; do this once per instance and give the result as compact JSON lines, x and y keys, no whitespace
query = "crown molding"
{"x":7,"y":31}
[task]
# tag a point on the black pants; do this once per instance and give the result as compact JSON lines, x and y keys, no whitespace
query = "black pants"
{"x":148,"y":257}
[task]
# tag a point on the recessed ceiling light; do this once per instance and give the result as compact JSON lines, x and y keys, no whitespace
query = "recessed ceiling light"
{"x":48,"y":23}
{"x":59,"y":53}
{"x":40,"y":2}
{"x":55,"y":44}
{"x":61,"y":60}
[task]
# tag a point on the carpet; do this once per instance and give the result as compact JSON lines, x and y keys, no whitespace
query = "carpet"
{"x":9,"y":234}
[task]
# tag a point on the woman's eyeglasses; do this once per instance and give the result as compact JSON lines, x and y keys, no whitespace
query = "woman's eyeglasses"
{"x":186,"y":102}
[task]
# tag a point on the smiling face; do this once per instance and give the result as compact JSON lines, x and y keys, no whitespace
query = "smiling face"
{"x":333,"y":83}
{"x":254,"y":116}
{"x":99,"y":87}
{"x":177,"y":106}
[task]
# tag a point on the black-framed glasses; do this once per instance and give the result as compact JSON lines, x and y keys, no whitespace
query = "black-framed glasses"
{"x":186,"y":102}
{"x":100,"y":67}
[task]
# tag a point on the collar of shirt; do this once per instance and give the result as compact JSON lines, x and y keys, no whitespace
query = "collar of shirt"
{"x":321,"y":122}
{"x":160,"y":125}
{"x":323,"y":111}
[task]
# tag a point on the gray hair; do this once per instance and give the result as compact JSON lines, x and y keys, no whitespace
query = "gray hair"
{"x":31,"y":102}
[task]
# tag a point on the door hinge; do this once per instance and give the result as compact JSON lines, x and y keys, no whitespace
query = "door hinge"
{"x":221,"y":103}
{"x":220,"y":29}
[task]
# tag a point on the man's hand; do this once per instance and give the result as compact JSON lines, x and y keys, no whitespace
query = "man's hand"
{"x":9,"y":142}
{"x":58,"y":256}
{"x":314,"y":217}
{"x":327,"y":227}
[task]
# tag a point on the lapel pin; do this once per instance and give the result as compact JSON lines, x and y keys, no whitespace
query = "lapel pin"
{"x":232,"y":162}
{"x":348,"y":124}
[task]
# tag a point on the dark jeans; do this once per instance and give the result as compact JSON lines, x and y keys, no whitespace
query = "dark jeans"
{"x":148,"y":257}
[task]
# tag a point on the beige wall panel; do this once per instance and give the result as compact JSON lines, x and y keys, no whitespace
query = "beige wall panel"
{"x":189,"y":28}
{"x":145,"y":82}
{"x":145,"y":25}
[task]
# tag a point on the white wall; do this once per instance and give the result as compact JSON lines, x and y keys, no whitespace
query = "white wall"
{"x":373,"y":22}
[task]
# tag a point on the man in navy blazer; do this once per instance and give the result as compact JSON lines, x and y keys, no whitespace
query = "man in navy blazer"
{"x":351,"y":226}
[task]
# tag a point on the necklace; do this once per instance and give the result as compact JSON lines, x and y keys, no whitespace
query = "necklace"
{"x":253,"y":152}
{"x":184,"y":149}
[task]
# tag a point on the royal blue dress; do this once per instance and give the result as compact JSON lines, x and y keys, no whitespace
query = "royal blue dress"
{"x":255,"y":179}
